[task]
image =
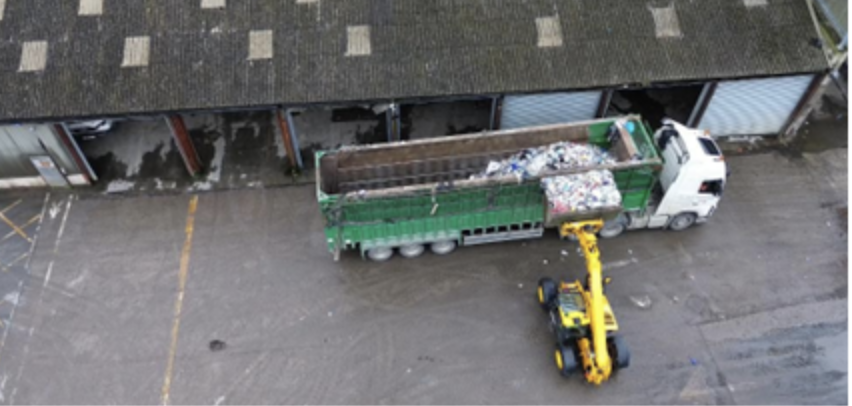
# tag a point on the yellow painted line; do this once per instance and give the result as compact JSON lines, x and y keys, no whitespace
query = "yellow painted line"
{"x":182,"y":276}
{"x":14,"y":227}
{"x":9,"y":207}
{"x":35,"y":218}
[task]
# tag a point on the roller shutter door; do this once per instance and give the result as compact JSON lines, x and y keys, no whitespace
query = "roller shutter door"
{"x":552,"y":108}
{"x":755,"y":106}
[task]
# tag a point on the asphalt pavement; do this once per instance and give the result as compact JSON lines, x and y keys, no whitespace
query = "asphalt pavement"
{"x":231,"y":297}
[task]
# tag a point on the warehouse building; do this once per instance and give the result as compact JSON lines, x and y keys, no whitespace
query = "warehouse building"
{"x":299,"y":75}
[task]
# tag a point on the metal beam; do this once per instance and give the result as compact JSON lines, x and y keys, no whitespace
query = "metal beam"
{"x":294,"y":138}
{"x":603,"y":106}
{"x":184,"y":144}
{"x":287,"y":137}
{"x":701,"y":104}
{"x":77,"y":154}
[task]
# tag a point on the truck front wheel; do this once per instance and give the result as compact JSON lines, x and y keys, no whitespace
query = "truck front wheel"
{"x":612,"y":229}
{"x":682,"y":222}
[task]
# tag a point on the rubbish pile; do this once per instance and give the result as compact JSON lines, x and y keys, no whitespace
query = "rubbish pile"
{"x":565,"y":194}
{"x":580,"y":192}
{"x":533,"y":161}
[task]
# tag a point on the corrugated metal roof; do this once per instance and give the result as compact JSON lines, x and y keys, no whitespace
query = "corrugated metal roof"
{"x":198,"y":57}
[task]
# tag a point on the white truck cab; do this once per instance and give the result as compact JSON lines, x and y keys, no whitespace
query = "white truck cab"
{"x":690,"y":184}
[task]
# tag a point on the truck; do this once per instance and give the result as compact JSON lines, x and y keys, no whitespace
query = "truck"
{"x":405,"y":197}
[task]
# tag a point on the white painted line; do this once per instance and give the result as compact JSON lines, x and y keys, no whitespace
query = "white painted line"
{"x":755,"y":3}
{"x":47,"y":275}
{"x":358,"y":40}
{"x":260,"y":45}
{"x":136,"y":51}
{"x":666,"y":22}
{"x":212,"y":3}
{"x":62,"y":225}
{"x":33,"y":56}
{"x":549,"y":32}
{"x":2,"y":8}
{"x":91,"y":8}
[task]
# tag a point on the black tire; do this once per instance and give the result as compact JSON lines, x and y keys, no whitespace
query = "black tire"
{"x":566,"y":360}
{"x":619,"y":352}
{"x":546,"y":293}
{"x":612,"y":229}
{"x":682,"y":222}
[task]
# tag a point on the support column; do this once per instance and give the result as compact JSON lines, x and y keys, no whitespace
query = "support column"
{"x":284,"y":124}
{"x":701,"y":104}
{"x":806,"y":105}
{"x":603,"y":106}
{"x":184,"y":144}
{"x":392,"y":122}
{"x":496,"y":110}
{"x":79,"y":159}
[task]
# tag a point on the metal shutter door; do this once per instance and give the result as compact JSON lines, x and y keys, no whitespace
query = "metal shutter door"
{"x":754,"y":107}
{"x":551,"y":108}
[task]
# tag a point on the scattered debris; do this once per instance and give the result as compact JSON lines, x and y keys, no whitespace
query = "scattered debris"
{"x":217,"y":345}
{"x":408,"y":371}
{"x":520,"y":286}
{"x":643,"y":302}
{"x":675,"y":299}
{"x":330,"y":314}
{"x":118,"y":186}
{"x":630,"y":251}
{"x":544,"y":262}
{"x":564,"y":253}
{"x":693,"y":361}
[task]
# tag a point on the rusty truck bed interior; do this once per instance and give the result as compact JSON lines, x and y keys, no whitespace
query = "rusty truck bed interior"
{"x":439,"y":160}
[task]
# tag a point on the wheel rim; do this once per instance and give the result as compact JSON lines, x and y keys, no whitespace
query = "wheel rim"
{"x":443,"y":247}
{"x":412,"y":250}
{"x":380,"y":254}
{"x":540,"y":295}
{"x":558,"y":356}
{"x":612,"y":231}
{"x":681,"y":222}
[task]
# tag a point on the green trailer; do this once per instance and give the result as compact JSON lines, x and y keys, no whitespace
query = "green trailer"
{"x":408,"y":196}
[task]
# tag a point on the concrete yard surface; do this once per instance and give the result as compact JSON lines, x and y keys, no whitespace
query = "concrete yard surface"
{"x":231,"y":297}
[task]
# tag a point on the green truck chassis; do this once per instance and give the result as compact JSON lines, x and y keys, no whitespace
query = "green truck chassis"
{"x":409,"y":193}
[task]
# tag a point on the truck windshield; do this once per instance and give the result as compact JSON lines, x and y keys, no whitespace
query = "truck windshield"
{"x":709,"y":146}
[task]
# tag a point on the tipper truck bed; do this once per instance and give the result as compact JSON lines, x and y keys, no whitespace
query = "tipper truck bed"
{"x":410,"y":195}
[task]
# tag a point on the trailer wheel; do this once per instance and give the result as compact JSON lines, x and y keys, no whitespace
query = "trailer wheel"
{"x":547,"y":292}
{"x":443,"y":247}
{"x":380,"y":254}
{"x":566,"y":360}
{"x":682,"y":222}
{"x":411,"y":250}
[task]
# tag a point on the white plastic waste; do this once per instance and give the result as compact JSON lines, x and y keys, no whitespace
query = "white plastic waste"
{"x":535,"y":161}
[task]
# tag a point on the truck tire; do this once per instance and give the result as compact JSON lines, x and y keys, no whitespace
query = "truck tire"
{"x":411,"y":250}
{"x":612,"y":229}
{"x":566,"y":360}
{"x":682,"y":222}
{"x":443,"y":247}
{"x":547,"y":292}
{"x":619,"y":352}
{"x":380,"y":254}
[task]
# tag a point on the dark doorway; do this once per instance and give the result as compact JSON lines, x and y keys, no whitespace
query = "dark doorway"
{"x":436,"y":119}
{"x":654,"y":104}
